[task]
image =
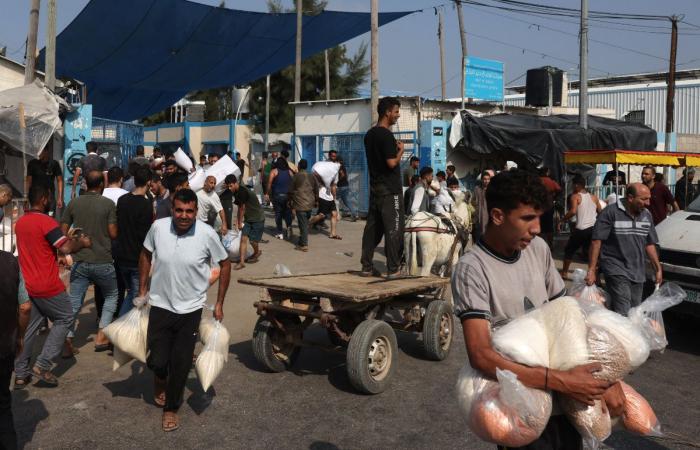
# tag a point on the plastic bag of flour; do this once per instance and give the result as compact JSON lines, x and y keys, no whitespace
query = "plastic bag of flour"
{"x":580,"y":290}
{"x":565,"y":324}
{"x":523,"y":340}
{"x":648,"y":317}
{"x":120,"y":358}
{"x":129,"y":332}
{"x":505,"y":412}
{"x":208,"y":326}
{"x":211,"y":360}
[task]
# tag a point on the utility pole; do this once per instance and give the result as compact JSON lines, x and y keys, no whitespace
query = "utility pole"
{"x":30,"y":68}
{"x":328,"y":76}
{"x":267,"y":112}
{"x":50,"y":55}
{"x":463,"y":39}
{"x":671,"y":81}
{"x":583,"y":69}
{"x":374,"y":58}
{"x":297,"y":66}
{"x":441,"y":40}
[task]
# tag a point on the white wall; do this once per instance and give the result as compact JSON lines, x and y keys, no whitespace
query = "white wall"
{"x":332,"y":118}
{"x":11,"y":75}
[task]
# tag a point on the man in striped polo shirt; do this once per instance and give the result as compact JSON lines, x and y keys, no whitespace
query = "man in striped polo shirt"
{"x":623,"y":237}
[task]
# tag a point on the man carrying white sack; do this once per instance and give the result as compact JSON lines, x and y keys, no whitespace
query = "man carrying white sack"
{"x":184,"y":249}
{"x":209,"y":205}
{"x":509,"y":272}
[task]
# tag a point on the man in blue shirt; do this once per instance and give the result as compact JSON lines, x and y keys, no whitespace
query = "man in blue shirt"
{"x":184,"y":250}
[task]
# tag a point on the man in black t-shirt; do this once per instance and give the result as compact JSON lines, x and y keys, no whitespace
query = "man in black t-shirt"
{"x":134,"y":219}
{"x":44,"y":171}
{"x":385,"y":215}
{"x":88,"y":163}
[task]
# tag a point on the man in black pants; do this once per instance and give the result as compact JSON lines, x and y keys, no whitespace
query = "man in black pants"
{"x":184,"y":249}
{"x":13,"y":323}
{"x":385,"y":215}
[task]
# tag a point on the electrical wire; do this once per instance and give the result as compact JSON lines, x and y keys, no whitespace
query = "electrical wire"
{"x":569,"y":12}
{"x":556,"y":30}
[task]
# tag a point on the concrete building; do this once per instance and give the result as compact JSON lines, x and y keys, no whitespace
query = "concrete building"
{"x":12,"y":73}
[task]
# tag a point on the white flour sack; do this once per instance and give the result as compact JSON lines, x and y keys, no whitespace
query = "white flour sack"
{"x":128,"y":333}
{"x":565,"y":324}
{"x":211,"y":360}
{"x":328,"y":171}
{"x":629,"y":335}
{"x":523,"y":340}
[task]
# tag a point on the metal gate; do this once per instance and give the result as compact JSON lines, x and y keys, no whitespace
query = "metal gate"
{"x":351,"y":148}
{"x":118,"y":139}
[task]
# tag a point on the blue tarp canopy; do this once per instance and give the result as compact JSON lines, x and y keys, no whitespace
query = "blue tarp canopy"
{"x":138,"y":57}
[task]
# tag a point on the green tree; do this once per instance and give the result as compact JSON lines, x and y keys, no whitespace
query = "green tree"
{"x":347,"y":74}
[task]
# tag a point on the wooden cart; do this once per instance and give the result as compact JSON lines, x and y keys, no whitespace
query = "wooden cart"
{"x":359,"y":315}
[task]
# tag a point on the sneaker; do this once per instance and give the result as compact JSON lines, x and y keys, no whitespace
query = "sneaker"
{"x":279,"y":236}
{"x":394,"y":276}
{"x":302,"y":248}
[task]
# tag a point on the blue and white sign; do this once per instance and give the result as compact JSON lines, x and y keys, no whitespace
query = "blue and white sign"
{"x":484,"y":79}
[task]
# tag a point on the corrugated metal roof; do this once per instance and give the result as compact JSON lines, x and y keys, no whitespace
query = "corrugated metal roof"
{"x":650,"y":99}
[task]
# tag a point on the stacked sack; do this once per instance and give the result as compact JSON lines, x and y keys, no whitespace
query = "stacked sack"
{"x":211,"y":360}
{"x":561,"y":335}
{"x":128,"y":334}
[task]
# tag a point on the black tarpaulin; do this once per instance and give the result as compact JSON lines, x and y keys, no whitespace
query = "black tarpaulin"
{"x":537,"y":140}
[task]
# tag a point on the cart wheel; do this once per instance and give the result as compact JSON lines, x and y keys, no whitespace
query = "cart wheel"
{"x":371,"y":356}
{"x":271,"y":347}
{"x":438,"y":329}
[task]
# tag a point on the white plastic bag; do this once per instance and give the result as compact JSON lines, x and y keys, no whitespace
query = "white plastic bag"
{"x":583,"y":292}
{"x":232,"y":244}
{"x":211,"y":360}
{"x":207,"y":328}
{"x":120,"y":358}
{"x":182,"y":160}
{"x":565,"y":323}
{"x":607,"y":350}
{"x":196,"y":179}
{"x":505,"y":412}
{"x":648,"y":317}
{"x":129,"y":332}
{"x":281,"y":271}
{"x":523,"y":340}
{"x":629,"y":335}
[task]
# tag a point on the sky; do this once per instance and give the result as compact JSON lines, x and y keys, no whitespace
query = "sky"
{"x":409,"y":61}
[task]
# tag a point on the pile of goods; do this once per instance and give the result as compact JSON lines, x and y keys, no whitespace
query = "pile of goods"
{"x":561,"y":335}
{"x":219,"y":170}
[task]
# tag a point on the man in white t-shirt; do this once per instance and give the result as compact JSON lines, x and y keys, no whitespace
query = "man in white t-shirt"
{"x":326,"y":172}
{"x":182,"y":250}
{"x":209,"y":205}
{"x":115,"y":178}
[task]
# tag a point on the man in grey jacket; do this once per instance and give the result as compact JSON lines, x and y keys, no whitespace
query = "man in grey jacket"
{"x":303,"y":196}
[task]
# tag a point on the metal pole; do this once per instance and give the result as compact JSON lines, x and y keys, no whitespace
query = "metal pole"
{"x":267,"y":112}
{"x":297,"y":65}
{"x":441,"y":41}
{"x":463,"y":39}
{"x":50,"y":67}
{"x":583,"y":69}
{"x":671,"y":81}
{"x":30,"y":68}
{"x":550,"y":102}
{"x":328,"y":75}
{"x":374,"y":58}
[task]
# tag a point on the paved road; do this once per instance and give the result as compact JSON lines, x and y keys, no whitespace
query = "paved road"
{"x":313,"y":406}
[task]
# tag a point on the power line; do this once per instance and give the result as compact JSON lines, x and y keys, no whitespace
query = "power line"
{"x":539,"y":26}
{"x":564,"y":11}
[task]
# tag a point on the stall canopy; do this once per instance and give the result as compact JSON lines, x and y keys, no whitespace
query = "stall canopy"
{"x":542,"y":140}
{"x":138,"y":57}
{"x":632,"y":157}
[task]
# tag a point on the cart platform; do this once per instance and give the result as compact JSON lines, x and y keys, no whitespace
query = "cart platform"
{"x":347,"y":286}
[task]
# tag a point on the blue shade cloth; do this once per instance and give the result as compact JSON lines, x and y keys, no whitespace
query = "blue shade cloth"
{"x":138,"y":57}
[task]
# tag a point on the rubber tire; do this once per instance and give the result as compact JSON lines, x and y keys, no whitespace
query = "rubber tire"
{"x":357,"y":356}
{"x":431,"y":330}
{"x":262,"y":346}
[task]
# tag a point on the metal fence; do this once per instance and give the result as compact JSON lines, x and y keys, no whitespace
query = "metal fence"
{"x":119,"y":139}
{"x":351,"y":148}
{"x":13,"y":211}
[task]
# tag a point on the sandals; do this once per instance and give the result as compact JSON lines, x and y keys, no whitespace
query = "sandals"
{"x":336,"y":237}
{"x":170,"y":421}
{"x":103,"y":347}
{"x":45,"y":376}
{"x":21,"y":383}
{"x":159,"y":392}
{"x":254,"y":258}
